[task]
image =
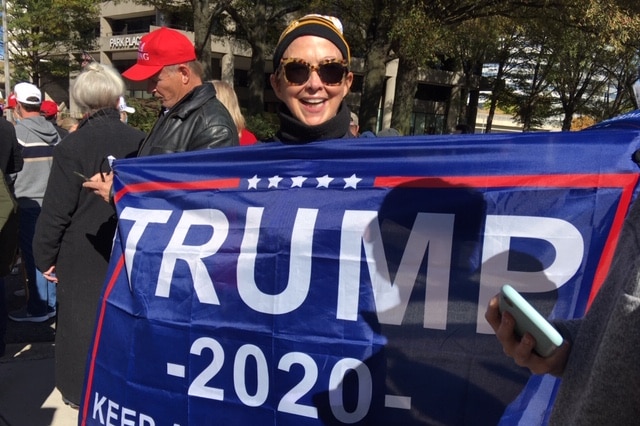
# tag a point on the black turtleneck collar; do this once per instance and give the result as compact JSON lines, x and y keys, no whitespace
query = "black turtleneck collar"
{"x":109,"y":112}
{"x":293,"y":131}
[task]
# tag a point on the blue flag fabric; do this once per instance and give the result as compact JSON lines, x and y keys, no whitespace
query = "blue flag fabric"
{"x":630,"y":120}
{"x":345,"y":282}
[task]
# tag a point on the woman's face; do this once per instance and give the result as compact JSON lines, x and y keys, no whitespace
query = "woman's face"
{"x":312,"y":102}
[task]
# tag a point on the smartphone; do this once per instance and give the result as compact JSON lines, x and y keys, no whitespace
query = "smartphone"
{"x":548,"y":339}
{"x":82,"y":176}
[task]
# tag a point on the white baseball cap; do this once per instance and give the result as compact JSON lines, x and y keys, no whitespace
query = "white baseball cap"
{"x":27,"y":93}
{"x":123,"y":107}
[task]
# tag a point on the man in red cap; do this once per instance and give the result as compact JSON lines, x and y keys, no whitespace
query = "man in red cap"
{"x":11,"y":101}
{"x":9,"y":107}
{"x":49,"y":110}
{"x":193,"y":118}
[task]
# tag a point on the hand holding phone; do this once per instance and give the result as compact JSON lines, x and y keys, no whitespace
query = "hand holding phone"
{"x":86,"y":179}
{"x":528,"y":320}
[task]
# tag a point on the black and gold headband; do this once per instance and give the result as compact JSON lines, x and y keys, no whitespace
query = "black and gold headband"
{"x":315,"y":25}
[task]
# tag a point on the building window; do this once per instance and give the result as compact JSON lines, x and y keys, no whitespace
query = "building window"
{"x":240,"y":78}
{"x":427,"y":124}
{"x":132,"y":26}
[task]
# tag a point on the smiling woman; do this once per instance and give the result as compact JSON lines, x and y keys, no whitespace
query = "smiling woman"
{"x":312,"y":78}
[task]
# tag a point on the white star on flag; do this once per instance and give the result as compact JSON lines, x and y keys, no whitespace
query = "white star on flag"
{"x":253,"y":182}
{"x":297,"y":181}
{"x":351,"y":182}
{"x":274,"y":181}
{"x":324,"y":181}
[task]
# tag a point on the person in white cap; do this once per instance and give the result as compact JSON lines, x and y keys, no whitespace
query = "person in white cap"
{"x":354,"y":127}
{"x":125,"y":110}
{"x":37,"y":136}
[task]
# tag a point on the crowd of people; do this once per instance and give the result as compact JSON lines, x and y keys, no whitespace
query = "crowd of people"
{"x":61,"y":182}
{"x":63,"y":191}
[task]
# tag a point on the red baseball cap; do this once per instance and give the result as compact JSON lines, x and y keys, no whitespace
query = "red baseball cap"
{"x":11,"y":101}
{"x":48,"y":108}
{"x":158,"y":49}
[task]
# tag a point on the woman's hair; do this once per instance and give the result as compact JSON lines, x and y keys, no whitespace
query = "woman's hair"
{"x":228,"y":97}
{"x":98,"y":86}
{"x":68,"y":123}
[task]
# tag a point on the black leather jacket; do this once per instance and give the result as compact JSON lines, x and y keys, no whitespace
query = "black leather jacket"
{"x":198,"y":121}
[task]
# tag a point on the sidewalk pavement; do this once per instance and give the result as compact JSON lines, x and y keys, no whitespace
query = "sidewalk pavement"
{"x":28,"y":396}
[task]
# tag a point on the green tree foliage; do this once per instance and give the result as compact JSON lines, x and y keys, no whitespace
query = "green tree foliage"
{"x":449,"y":35}
{"x":42,"y":32}
{"x":615,"y":22}
{"x":147,"y":111}
{"x":576,"y":76}
{"x":616,"y":95}
{"x":530,"y":96}
{"x":255,"y":22}
{"x":199,"y":16}
{"x":427,"y":29}
{"x":472,"y":44}
{"x":602,"y":22}
{"x":260,"y":24}
{"x":263,"y":125}
{"x":416,"y":39}
{"x":563,"y":69}
{"x":503,"y":38}
{"x":367,"y":27}
{"x":377,"y":53}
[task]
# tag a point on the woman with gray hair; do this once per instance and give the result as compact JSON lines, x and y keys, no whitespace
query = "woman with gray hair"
{"x":74,"y":233}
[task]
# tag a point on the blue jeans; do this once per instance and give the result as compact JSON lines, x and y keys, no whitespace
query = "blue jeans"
{"x":42,"y":293}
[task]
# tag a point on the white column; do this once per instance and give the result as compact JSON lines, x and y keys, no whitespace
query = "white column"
{"x":389,"y":93}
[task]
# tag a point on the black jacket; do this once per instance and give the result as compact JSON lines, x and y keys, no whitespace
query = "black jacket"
{"x":10,"y":151}
{"x":198,"y":121}
{"x":75,"y":233}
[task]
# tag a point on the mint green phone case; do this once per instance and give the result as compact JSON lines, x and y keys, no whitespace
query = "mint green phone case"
{"x":529,"y":320}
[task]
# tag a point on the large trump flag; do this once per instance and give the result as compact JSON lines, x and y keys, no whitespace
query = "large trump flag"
{"x":345,"y":282}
